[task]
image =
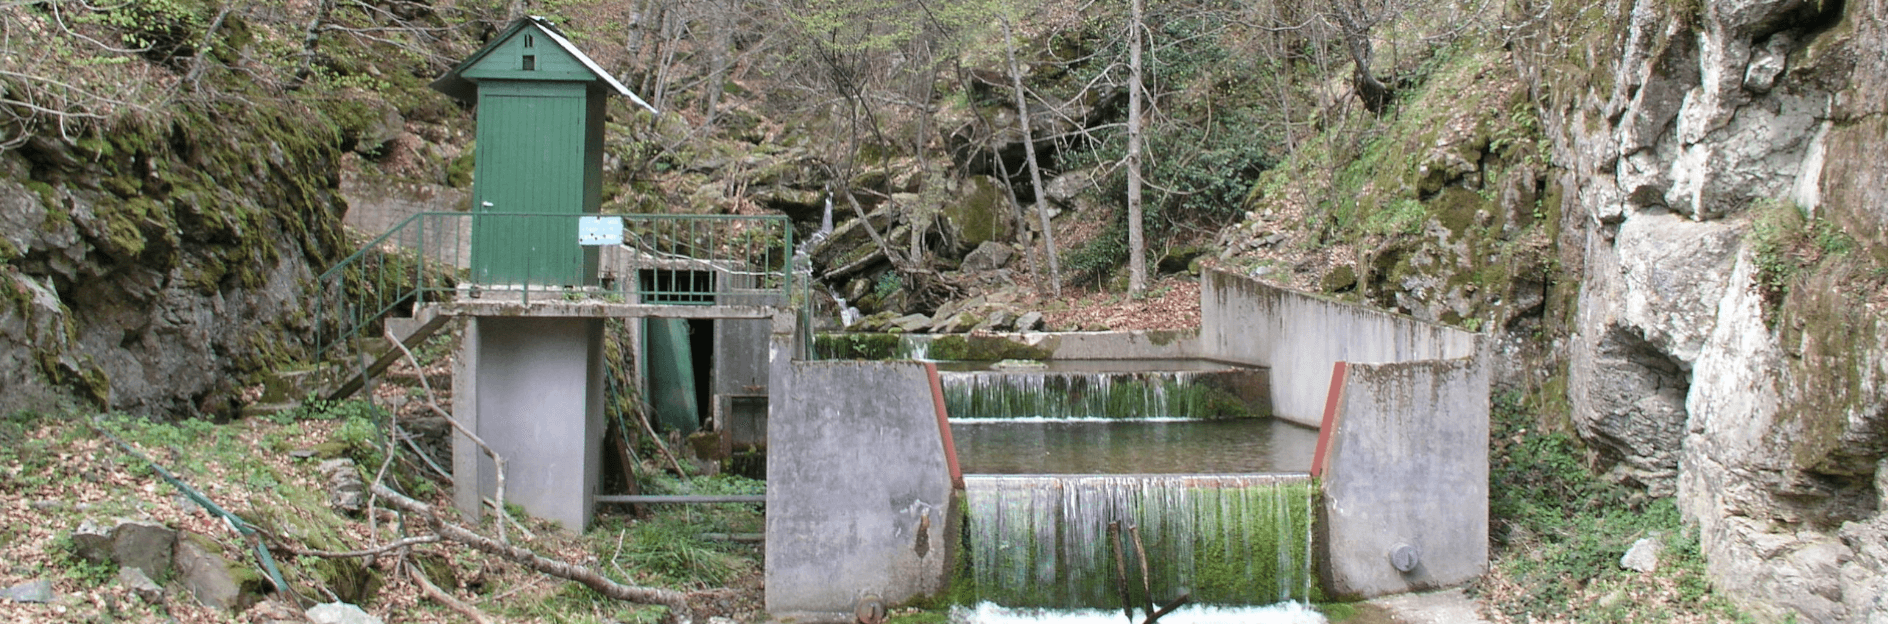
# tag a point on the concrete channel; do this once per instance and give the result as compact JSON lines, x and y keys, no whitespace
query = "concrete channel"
{"x":864,"y":490}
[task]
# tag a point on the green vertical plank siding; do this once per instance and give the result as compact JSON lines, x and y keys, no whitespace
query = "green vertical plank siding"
{"x":532,"y":147}
{"x":506,"y":62}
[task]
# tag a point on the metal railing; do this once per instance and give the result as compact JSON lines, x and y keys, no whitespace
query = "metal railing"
{"x":657,"y":259}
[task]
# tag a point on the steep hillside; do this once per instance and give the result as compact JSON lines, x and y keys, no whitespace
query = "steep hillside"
{"x":1671,"y":215}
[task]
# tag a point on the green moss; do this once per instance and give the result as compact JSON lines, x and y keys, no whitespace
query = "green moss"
{"x":1247,"y":546}
{"x":858,"y":346}
{"x":1120,"y":395}
{"x":960,"y":586}
{"x":1164,"y":337}
{"x":1339,"y":279}
{"x":459,"y":173}
{"x":1457,"y":208}
{"x":1826,"y":318}
{"x":308,"y":519}
{"x":980,"y":213}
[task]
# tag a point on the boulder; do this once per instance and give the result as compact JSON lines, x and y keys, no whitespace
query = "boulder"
{"x":1644,"y":555}
{"x":39,"y":591}
{"x":989,"y":256}
{"x":143,"y":545}
{"x":1063,"y":189}
{"x":346,"y":492}
{"x":849,"y":241}
{"x":997,"y":320}
{"x":958,"y":323}
{"x":141,"y":585}
{"x":92,"y":542}
{"x":213,"y":580}
{"x":979,"y":213}
{"x":1029,"y":321}
{"x":911,"y":323}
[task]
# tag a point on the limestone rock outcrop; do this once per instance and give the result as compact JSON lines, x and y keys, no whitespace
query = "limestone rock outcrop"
{"x":1753,"y":383}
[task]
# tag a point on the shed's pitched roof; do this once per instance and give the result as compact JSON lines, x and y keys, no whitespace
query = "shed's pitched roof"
{"x":465,"y":90}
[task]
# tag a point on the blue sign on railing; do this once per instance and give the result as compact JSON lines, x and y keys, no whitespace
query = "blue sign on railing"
{"x":600,"y":231}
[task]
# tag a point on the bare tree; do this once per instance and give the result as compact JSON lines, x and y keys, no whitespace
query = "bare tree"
{"x":1137,"y":240}
{"x":1356,"y":20}
{"x":1029,"y":152}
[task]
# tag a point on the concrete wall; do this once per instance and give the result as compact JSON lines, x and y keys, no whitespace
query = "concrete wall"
{"x":858,"y":488}
{"x":376,"y":206}
{"x":532,"y":388}
{"x":1407,"y":463}
{"x":1180,"y":344}
{"x":1299,"y":336}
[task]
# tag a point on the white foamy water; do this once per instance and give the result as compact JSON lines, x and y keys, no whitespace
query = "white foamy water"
{"x":1281,"y":613}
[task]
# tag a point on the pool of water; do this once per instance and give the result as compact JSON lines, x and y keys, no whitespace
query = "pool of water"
{"x":1282,"y":613}
{"x":1101,"y":446}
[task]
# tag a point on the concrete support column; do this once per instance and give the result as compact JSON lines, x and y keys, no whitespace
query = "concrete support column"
{"x":533,"y":389}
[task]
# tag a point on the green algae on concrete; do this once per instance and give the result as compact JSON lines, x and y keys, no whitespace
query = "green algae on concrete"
{"x":1043,"y":541}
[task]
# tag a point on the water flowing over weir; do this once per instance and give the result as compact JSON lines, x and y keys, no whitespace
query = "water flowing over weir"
{"x":1180,"y":455}
{"x":1055,"y":394}
{"x":1043,"y":540}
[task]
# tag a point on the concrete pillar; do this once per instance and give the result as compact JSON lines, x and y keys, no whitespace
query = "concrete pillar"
{"x":533,"y":389}
{"x":859,"y":498}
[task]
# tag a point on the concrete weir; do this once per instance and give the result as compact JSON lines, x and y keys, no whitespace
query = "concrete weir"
{"x":861,"y":462}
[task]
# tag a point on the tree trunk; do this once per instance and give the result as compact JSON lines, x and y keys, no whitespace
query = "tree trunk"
{"x":1029,"y":152}
{"x":722,"y":48}
{"x":1137,"y":243}
{"x":1356,"y":33}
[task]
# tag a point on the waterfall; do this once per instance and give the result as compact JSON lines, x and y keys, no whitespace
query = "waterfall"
{"x":918,"y":346}
{"x":1043,"y":541}
{"x":1081,"y":395}
{"x":847,"y":314}
{"x":805,"y":247}
{"x":826,"y":219}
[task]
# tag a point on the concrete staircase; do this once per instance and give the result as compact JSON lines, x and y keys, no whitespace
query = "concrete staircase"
{"x":425,"y":322}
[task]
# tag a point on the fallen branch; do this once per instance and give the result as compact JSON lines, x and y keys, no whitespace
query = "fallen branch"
{"x":506,"y":516}
{"x":498,"y":462}
{"x":1184,"y":597}
{"x":642,"y":416}
{"x":440,"y":596}
{"x":1121,"y":569}
{"x":1147,"y":580}
{"x":677,"y":602}
{"x":344,"y":554}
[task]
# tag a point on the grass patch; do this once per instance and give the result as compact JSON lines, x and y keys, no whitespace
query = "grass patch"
{"x":1560,"y":532}
{"x":1786,"y":245}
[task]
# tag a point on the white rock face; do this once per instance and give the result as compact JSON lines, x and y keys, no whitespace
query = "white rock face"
{"x":1768,"y":419}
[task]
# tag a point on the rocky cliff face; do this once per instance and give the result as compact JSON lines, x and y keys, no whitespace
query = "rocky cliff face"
{"x":1728,"y":178}
{"x":155,"y":267}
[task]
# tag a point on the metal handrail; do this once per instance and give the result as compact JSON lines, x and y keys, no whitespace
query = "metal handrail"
{"x":662,"y":259}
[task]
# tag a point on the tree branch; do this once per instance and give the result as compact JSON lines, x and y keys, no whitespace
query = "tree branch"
{"x":677,"y":602}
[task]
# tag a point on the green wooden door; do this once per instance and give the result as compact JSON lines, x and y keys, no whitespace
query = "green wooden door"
{"x":530,"y":161}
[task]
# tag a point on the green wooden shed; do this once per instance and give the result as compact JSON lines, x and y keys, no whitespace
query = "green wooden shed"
{"x":540,"y":104}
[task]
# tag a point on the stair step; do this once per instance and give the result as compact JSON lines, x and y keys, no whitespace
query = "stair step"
{"x":417,"y":329}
